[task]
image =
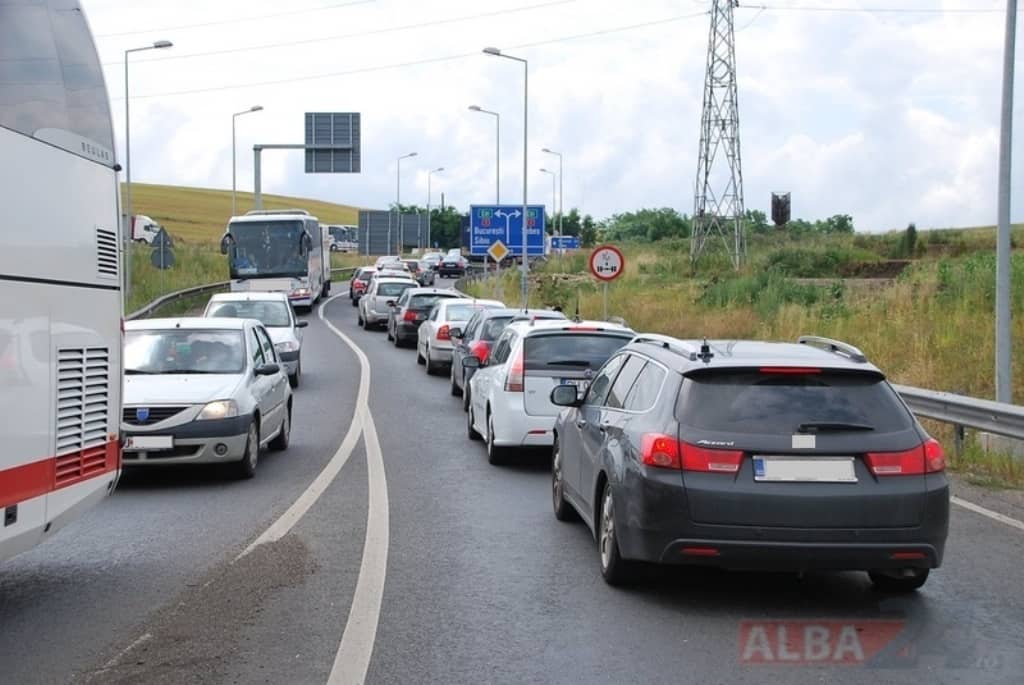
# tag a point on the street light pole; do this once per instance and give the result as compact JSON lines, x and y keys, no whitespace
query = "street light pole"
{"x":429,"y":174}
{"x":561,"y":197}
{"x":398,"y":201}
{"x":497,"y":150}
{"x":255,"y":108}
{"x":1004,"y":297}
{"x":495,"y":52}
{"x":552,"y":194}
{"x":128,"y":209}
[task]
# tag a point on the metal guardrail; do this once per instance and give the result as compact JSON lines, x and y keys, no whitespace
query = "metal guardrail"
{"x":184,"y":293}
{"x":965,"y":412}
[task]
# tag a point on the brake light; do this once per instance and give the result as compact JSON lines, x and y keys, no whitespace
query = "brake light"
{"x":659,"y":450}
{"x":443,"y":334}
{"x":582,"y":328}
{"x":700,"y":551}
{"x":795,"y":370}
{"x":514,"y":379}
{"x":409,"y":315}
{"x":710,"y":461}
{"x":481,"y":350}
{"x":927,"y":457}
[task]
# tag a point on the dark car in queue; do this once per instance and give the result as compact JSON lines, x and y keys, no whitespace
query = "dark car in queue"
{"x":424,"y":273}
{"x":360,"y":282}
{"x":411,"y":310}
{"x":433,"y":259}
{"x":751,"y":455}
{"x":477,"y":337}
{"x":452,"y":266}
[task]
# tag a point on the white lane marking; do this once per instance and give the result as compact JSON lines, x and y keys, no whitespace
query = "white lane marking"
{"x":279,"y":528}
{"x":139,"y":641}
{"x":994,"y":515}
{"x":352,"y":659}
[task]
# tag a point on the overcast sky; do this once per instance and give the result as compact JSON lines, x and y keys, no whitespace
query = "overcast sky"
{"x":891,"y":117}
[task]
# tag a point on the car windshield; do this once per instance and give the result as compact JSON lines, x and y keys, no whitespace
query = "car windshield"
{"x":747,"y":401}
{"x":183,"y":351}
{"x":267,"y":249}
{"x":393,"y":289}
{"x":270,"y":313}
{"x":463,"y":312}
{"x":568,"y":349}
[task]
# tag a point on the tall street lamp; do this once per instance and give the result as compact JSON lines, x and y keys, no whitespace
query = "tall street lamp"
{"x":561,"y":198}
{"x":254,"y":108}
{"x":398,"y":200}
{"x":553,"y":174}
{"x":158,"y":45}
{"x":497,"y":150}
{"x":495,"y":52}
{"x":429,"y":174}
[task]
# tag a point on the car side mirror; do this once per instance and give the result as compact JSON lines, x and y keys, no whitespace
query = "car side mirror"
{"x":471,"y":362}
{"x":565,"y":396}
{"x":301,"y":324}
{"x":226,"y":242}
{"x":391,"y":303}
{"x":267,"y":369}
{"x":456,"y":333}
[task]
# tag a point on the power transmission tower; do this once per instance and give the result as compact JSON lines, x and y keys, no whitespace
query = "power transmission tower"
{"x":718,"y":196}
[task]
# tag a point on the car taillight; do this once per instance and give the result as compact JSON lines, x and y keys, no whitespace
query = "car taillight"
{"x":481,"y":349}
{"x":793,"y":370}
{"x":710,"y":461}
{"x":514,"y":379}
{"x":443,"y":334}
{"x":659,"y":450}
{"x":927,"y":457}
{"x":409,"y":315}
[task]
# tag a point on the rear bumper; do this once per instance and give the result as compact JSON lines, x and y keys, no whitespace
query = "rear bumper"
{"x":407,"y":329}
{"x":653,"y":524}
{"x":513,"y":427}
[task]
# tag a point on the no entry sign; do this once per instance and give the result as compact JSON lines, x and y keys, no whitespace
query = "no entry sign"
{"x":607,"y":263}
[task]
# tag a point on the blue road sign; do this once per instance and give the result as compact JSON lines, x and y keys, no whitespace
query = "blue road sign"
{"x":566,"y":242}
{"x":490,"y":223}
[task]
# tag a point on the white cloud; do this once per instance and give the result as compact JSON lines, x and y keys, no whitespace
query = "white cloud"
{"x":890,"y":118}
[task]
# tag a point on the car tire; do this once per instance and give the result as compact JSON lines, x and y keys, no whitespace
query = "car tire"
{"x":428,"y":362}
{"x":355,"y":302}
{"x":465,"y":398}
{"x":246,"y":467}
{"x":563,"y":510}
{"x":295,"y":378}
{"x":887,"y":581}
{"x":614,"y":569}
{"x":280,"y":443}
{"x":366,"y":324}
{"x":455,"y":389}
{"x":359,"y":318}
{"x":470,"y":431}
{"x":390,"y":337}
{"x":419,"y":355}
{"x":496,"y":456}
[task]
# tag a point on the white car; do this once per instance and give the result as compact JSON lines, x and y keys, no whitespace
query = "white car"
{"x":386,"y":259}
{"x":434,"y":340}
{"x":202,"y":390}
{"x":374,"y":305}
{"x":510,"y":394}
{"x":276,"y":314}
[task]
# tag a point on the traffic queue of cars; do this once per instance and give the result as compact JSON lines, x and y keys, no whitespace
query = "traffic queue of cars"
{"x":748,"y":455}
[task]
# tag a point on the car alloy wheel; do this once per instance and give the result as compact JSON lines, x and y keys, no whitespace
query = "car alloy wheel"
{"x":495,"y":454}
{"x":563,"y":510}
{"x":246,"y":467}
{"x":614,"y":569}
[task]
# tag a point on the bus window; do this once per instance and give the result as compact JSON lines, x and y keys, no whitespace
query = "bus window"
{"x":51,"y":83}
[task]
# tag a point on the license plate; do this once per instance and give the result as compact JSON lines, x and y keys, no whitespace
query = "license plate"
{"x":138,"y":443}
{"x":804,"y":470}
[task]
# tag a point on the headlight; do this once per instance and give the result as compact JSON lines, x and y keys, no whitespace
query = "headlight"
{"x":287,"y":346}
{"x":301,"y":292}
{"x":221,"y":409}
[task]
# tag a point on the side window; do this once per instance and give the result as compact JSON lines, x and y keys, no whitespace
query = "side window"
{"x":404,"y":299}
{"x":472,"y":327}
{"x":268,"y":347}
{"x":255,"y":348}
{"x":646,"y":388}
{"x":622,"y":385}
{"x":501,"y":349}
{"x":603,"y":381}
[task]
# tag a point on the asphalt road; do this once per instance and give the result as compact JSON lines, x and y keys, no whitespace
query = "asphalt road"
{"x":482,"y":584}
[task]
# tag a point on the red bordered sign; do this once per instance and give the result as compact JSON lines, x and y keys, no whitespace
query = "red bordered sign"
{"x":607,"y":263}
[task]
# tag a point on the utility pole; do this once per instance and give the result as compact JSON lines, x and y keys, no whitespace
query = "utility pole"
{"x":718,"y":195}
{"x":1004,"y":265}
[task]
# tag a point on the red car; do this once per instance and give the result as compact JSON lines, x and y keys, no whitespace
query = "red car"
{"x":360,"y":281}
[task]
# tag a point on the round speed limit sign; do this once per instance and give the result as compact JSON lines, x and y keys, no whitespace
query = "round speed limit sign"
{"x":607,"y":263}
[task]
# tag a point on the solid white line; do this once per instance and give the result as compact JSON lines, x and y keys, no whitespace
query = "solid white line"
{"x":279,"y":528}
{"x":140,"y":640}
{"x":994,"y":515}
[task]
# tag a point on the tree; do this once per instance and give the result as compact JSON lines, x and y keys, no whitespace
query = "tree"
{"x":839,"y":223}
{"x":588,"y":231}
{"x":647,"y":224}
{"x":756,"y":221}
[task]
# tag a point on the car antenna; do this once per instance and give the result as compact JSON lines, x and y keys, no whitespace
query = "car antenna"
{"x":705,"y":352}
{"x":576,"y":316}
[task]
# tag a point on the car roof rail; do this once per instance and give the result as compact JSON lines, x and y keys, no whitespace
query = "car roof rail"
{"x":264,"y":212}
{"x":666,"y":342}
{"x":834,"y":346}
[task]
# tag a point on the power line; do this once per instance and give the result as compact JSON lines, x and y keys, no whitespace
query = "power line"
{"x":358,"y":34}
{"x":236,"y":20}
{"x":412,"y":63}
{"x":870,"y":10}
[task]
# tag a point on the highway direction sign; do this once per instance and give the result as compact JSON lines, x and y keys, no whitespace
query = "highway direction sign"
{"x":607,"y":263}
{"x":565,"y":242}
{"x":491,"y":223}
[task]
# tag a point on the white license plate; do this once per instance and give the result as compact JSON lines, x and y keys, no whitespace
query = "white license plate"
{"x":139,"y":443}
{"x":804,"y":469}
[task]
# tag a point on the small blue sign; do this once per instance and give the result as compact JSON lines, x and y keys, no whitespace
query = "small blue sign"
{"x":565,"y":242}
{"x":491,"y":223}
{"x":142,"y":414}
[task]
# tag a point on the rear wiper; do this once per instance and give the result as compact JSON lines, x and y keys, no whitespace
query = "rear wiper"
{"x":568,"y":362}
{"x":832,"y":426}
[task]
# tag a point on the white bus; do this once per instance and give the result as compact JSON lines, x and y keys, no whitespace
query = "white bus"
{"x":282,"y":250}
{"x":60,"y":293}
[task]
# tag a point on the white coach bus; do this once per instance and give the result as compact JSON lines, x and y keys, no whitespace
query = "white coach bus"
{"x":279,"y":250}
{"x":60,"y":293}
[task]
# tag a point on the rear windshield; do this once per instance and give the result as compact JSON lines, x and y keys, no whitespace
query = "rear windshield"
{"x":753,"y":402}
{"x":391,"y":289}
{"x":571,"y":350}
{"x":493,"y":327}
{"x":464,"y":312}
{"x":426,"y":301}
